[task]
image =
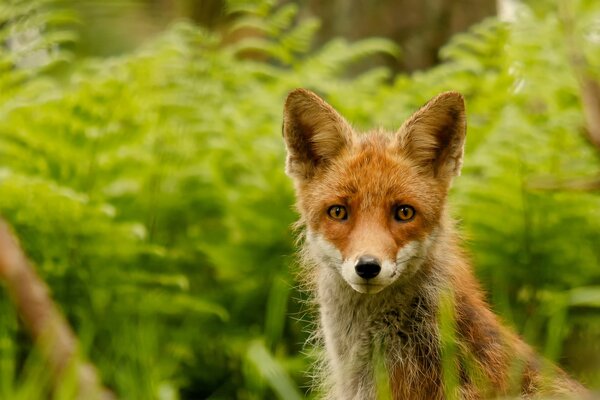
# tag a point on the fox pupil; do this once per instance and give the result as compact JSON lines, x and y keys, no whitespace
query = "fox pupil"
{"x":404,"y":213}
{"x":337,"y":212}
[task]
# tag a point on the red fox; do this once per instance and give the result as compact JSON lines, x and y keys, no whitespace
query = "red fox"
{"x":381,"y":254}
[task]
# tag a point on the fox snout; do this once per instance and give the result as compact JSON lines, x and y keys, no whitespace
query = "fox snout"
{"x":367,"y":267}
{"x":364,"y":271}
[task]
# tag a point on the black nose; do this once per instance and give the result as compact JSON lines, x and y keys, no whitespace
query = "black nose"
{"x":367,"y":267}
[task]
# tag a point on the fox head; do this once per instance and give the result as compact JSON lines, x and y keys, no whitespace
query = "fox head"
{"x":371,"y":203}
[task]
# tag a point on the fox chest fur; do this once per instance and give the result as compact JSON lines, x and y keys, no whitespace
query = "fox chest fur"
{"x":382,"y":259}
{"x":400,"y":330}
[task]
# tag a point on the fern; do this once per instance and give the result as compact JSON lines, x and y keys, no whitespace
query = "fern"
{"x":149,"y":189}
{"x":34,"y":39}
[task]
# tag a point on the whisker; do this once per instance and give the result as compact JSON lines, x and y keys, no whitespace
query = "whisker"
{"x":415,"y":257}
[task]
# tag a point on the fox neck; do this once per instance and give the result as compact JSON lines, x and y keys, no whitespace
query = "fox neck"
{"x":343,"y":306}
{"x":401,"y":321}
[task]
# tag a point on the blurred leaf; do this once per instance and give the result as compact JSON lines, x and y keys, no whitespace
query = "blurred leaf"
{"x":585,"y":297}
{"x":272,"y":371}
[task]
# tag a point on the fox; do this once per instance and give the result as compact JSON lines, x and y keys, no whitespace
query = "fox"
{"x":382,"y":258}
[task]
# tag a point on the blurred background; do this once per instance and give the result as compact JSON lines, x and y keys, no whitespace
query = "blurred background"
{"x":141,"y":166}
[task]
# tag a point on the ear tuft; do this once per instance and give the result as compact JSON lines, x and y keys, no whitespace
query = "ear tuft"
{"x":314,"y":133}
{"x":434,"y":136}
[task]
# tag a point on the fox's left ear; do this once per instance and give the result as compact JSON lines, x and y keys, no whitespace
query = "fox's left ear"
{"x":434,"y":136}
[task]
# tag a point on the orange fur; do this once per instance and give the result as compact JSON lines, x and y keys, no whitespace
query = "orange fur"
{"x":399,"y":309}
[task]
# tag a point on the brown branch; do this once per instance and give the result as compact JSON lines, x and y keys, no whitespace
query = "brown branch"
{"x":589,"y":91}
{"x":590,"y":98}
{"x":46,"y":325}
{"x":573,"y":184}
{"x":588,"y":86}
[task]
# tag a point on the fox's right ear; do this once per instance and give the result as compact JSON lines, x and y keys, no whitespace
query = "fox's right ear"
{"x":314,"y":133}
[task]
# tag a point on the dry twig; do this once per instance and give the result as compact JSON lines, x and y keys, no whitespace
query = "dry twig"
{"x":46,"y":325}
{"x":588,"y":85}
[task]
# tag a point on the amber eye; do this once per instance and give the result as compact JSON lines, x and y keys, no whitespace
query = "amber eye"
{"x":404,"y":213}
{"x":338,"y":212}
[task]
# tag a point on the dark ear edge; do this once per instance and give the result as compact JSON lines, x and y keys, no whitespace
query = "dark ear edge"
{"x":314,"y":133}
{"x":434,"y":136}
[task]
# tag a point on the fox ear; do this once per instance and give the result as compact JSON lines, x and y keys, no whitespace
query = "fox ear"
{"x":434,"y":136}
{"x":314,"y":133}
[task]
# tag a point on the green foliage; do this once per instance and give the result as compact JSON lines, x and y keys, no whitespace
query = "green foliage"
{"x":149,"y":189}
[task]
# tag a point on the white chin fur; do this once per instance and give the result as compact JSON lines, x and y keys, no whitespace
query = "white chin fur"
{"x":367,"y":288}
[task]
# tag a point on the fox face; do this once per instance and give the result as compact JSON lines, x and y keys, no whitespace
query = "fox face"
{"x":371,"y":202}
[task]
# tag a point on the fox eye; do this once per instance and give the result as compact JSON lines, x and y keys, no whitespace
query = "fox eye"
{"x":338,"y":212}
{"x":404,"y":213}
